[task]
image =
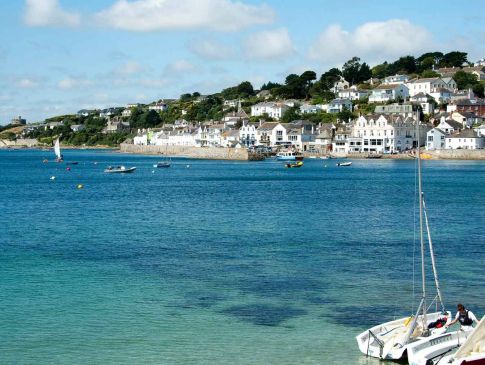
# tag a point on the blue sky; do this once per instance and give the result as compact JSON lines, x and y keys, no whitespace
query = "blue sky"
{"x":59,"y":56}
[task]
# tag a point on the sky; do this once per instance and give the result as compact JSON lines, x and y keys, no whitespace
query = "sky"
{"x":60,"y":56}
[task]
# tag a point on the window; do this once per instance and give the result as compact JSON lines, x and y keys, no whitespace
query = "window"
{"x":430,"y":138}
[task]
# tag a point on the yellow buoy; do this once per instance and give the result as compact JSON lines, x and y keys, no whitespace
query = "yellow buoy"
{"x":80,"y":186}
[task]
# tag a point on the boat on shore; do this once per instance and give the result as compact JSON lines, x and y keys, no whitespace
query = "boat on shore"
{"x":294,"y":165}
{"x":344,"y":163}
{"x":119,"y":170}
{"x":373,"y":156}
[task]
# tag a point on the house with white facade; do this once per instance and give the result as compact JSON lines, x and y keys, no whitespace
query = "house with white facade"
{"x":158,"y":107}
{"x":388,"y":134}
{"x":337,"y":105}
{"x":385,"y":93}
{"x":396,"y":79}
{"x":301,"y":133}
{"x":230,"y":138}
{"x":248,"y":134}
{"x":480,"y":130}
{"x":467,"y":139}
{"x":340,"y":143}
{"x":466,"y":119}
{"x":310,"y":108}
{"x":272,"y":134}
{"x":323,"y":138}
{"x":353,"y":93}
{"x":126,"y":113}
{"x":435,"y":139}
{"x":425,"y":85}
{"x":272,"y":109}
{"x":441,"y":95}
{"x":340,"y":85}
{"x":450,"y":83}
{"x":449,"y":126}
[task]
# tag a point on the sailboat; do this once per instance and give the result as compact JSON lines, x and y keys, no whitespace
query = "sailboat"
{"x":57,"y":151}
{"x":390,"y":340}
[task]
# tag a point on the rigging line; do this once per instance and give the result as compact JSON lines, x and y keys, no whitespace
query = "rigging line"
{"x":414,"y":233}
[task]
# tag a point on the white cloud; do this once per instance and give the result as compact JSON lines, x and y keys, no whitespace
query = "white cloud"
{"x":26,"y":83}
{"x":153,"y":15}
{"x":211,"y":49}
{"x":129,"y":67}
{"x":179,"y":66}
{"x":72,"y":83}
{"x":271,"y":44}
{"x":372,"y":42}
{"x":41,"y":13}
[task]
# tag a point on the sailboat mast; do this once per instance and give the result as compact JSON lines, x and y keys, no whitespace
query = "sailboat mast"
{"x":421,"y":233}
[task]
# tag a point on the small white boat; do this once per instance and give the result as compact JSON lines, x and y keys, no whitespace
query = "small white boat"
{"x":344,"y":164}
{"x":57,"y":151}
{"x":120,"y":170}
{"x":472,"y":352}
{"x":428,"y":351}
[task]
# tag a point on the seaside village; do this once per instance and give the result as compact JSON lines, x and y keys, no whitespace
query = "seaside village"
{"x":390,"y":129}
{"x":451,"y":119}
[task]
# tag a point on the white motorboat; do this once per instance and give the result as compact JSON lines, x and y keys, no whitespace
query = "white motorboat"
{"x":390,"y":340}
{"x":120,"y":170}
{"x":289,"y":156}
{"x":344,"y":163}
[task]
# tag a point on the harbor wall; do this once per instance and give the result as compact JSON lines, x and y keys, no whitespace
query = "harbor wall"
{"x":457,"y":154}
{"x":215,"y":153}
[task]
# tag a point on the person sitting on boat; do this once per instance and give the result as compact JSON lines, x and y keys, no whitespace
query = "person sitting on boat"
{"x":464,"y":316}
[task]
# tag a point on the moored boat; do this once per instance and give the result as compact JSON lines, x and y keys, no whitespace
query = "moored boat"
{"x":293,"y":165}
{"x":289,"y":156}
{"x":344,"y":163}
{"x":120,"y":169}
{"x":162,"y":164}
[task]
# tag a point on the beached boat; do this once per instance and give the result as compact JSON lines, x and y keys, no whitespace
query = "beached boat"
{"x":57,"y":151}
{"x":326,"y":157}
{"x":292,"y":165}
{"x":373,"y":155}
{"x":120,"y":170}
{"x":390,"y":340}
{"x":344,"y":163}
{"x":289,"y":156}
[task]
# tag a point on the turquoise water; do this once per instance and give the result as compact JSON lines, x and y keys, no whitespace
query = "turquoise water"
{"x":213,"y":262}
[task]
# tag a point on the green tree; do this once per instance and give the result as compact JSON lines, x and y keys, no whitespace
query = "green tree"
{"x":454,"y":59}
{"x":429,"y":73}
{"x":406,"y":64}
{"x":355,"y":72}
{"x":291,"y":114}
{"x":307,"y":78}
{"x":465,"y":80}
{"x":380,"y":71}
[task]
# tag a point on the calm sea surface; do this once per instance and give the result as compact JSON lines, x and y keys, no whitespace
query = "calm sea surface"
{"x":212,"y":262}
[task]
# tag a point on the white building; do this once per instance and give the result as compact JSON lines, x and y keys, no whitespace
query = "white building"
{"x":441,"y":95}
{"x":273,"y":110}
{"x":396,"y":79}
{"x":248,"y":134}
{"x":272,"y":134}
{"x":159,"y":107}
{"x":77,"y":127}
{"x":467,"y":139}
{"x":435,"y":139}
{"x":480,"y":130}
{"x":426,"y":85}
{"x":449,"y":126}
{"x":387,"y":134}
{"x":352,"y":93}
{"x":337,"y":105}
{"x":309,"y":108}
{"x":385,"y":93}
{"x":340,"y":85}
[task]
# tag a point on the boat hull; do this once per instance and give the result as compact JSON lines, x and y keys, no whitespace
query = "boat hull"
{"x":392,"y":335}
{"x":428,"y":350}
{"x":120,"y":170}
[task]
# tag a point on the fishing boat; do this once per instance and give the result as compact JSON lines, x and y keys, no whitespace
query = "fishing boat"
{"x":289,"y":156}
{"x":57,"y":151}
{"x":293,"y":165}
{"x":119,"y":170}
{"x":344,"y":163}
{"x":390,"y":340}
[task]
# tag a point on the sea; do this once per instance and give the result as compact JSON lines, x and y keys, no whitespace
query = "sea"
{"x":224,"y":262}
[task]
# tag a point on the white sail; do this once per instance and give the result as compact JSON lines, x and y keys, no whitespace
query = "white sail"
{"x":57,"y":149}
